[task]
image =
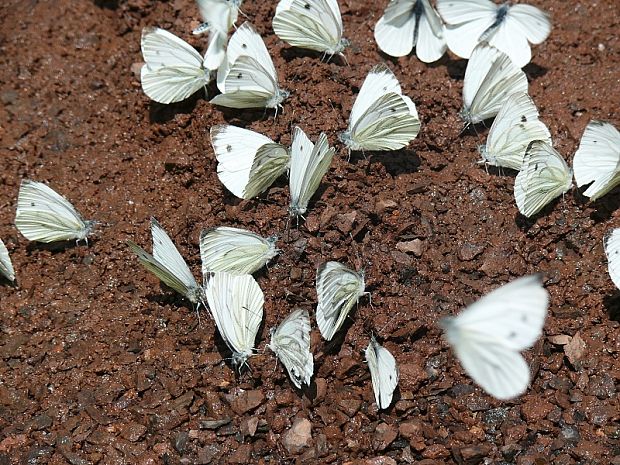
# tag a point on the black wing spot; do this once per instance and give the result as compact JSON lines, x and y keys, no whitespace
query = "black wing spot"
{"x":32,"y":204}
{"x":523,"y":119}
{"x":307,"y":6}
{"x":244,"y":46}
{"x":512,"y":335}
{"x":384,"y":89}
{"x":301,"y":148}
{"x":229,"y":148}
{"x":239,"y":76}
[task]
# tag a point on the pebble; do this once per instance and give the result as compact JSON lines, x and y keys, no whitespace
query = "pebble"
{"x":535,"y":409}
{"x":469,"y":251}
{"x":383,"y":436}
{"x":575,"y":350}
{"x":246,"y":401}
{"x":213,"y":424}
{"x":243,"y":454}
{"x":415,"y":247}
{"x":249,"y":425}
{"x":133,"y":431}
{"x":298,"y":436}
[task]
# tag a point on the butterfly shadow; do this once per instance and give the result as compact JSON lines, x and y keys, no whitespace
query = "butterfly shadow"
{"x":604,"y":207}
{"x":395,"y":162}
{"x":170,"y":297}
{"x":612,"y":306}
{"x":334,"y":346}
{"x":534,"y":71}
{"x":525,"y":224}
{"x":58,"y":246}
{"x":243,"y":116}
{"x":4,"y":281}
{"x":162,"y":113}
{"x":455,"y":67}
{"x":290,"y":53}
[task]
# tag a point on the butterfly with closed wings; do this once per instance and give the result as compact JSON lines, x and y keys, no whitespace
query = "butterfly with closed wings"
{"x":248,"y":163}
{"x":411,"y":23}
{"x":612,"y":251}
{"x":338,"y":288}
{"x":382,"y":118}
{"x":168,"y":265}
{"x":507,"y":27}
{"x":234,"y":250}
{"x":309,"y":163}
{"x":43,"y":215}
{"x":597,"y":159}
{"x":173,"y":69}
{"x":544,"y":175}
{"x":6,"y":266}
{"x":247,"y":77}
{"x":383,"y":372}
{"x":236,"y":304}
{"x":290,"y":341}
{"x":311,"y":24}
{"x":489,"y":334}
{"x":514,"y":127}
{"x":490,"y":78}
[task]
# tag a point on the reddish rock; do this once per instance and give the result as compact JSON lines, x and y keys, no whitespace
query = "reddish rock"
{"x":246,"y":401}
{"x":383,"y":436}
{"x":298,"y":436}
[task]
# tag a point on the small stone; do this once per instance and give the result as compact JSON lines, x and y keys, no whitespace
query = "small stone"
{"x":469,"y":251}
{"x":133,"y":431}
{"x":384,"y":436}
{"x":298,"y":436}
{"x":560,"y":339}
{"x":345,"y":221}
{"x":213,"y":424}
{"x":381,"y":460}
{"x":246,"y":401}
{"x":575,"y":349}
{"x":136,"y":68}
{"x":243,"y":454}
{"x":415,"y":247}
{"x":350,"y":406}
{"x":535,"y":409}
{"x":180,"y":442}
{"x":384,"y":205}
{"x":248,"y":426}
{"x":472,"y":455}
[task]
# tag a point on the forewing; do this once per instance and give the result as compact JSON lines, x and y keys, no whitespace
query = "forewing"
{"x":247,"y":42}
{"x":612,"y":250}
{"x":431,"y":44}
{"x":465,"y":22}
{"x":6,"y":266}
{"x":379,"y":81}
{"x":234,"y":250}
{"x":534,"y":23}
{"x":161,"y":48}
{"x":44,"y":215}
{"x":544,"y":175}
{"x":395,"y":30}
{"x":270,"y":162}
{"x":509,"y":39}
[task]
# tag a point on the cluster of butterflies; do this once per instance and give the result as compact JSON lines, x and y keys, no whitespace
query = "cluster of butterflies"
{"x":487,"y":336}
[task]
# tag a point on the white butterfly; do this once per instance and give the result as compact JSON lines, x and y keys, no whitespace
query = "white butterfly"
{"x":411,"y":23}
{"x":489,"y":334}
{"x":382,"y":118}
{"x":383,"y":371}
{"x":506,"y":27}
{"x":612,"y":250}
{"x":597,"y":159}
{"x":309,"y":163}
{"x":236,"y":303}
{"x":311,"y":24}
{"x":168,"y":265}
{"x":248,"y":162}
{"x":490,"y":78}
{"x":291,"y":343}
{"x":514,"y":127}
{"x":247,"y":78}
{"x":544,"y":175}
{"x":6,"y":266}
{"x":235,"y":250}
{"x":338,"y":288}
{"x":43,"y":215}
{"x":218,"y":16}
{"x":174,"y":70}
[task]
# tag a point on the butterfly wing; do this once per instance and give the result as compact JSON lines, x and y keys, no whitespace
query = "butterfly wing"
{"x":309,"y":163}
{"x":544,"y":176}
{"x":466,"y":21}
{"x":234,"y":250}
{"x":383,"y":372}
{"x":396,"y":30}
{"x":534,"y":23}
{"x":514,"y":127}
{"x":6,"y":266}
{"x":270,"y":162}
{"x":315,"y":25}
{"x":44,"y":215}
{"x":173,"y":69}
{"x":612,"y":250}
{"x":597,"y":159}
{"x":291,"y":343}
{"x":490,"y":78}
{"x":431,"y":43}
{"x":488,"y":335}
{"x":338,"y":289}
{"x":236,"y":303}
{"x":220,"y":13}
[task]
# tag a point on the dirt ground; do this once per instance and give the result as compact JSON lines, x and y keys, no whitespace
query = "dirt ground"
{"x":99,"y":364}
